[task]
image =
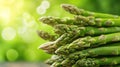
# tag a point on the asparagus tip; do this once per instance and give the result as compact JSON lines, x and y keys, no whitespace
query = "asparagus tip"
{"x":46,"y":46}
{"x":72,"y":9}
{"x":66,"y":6}
{"x":47,"y":20}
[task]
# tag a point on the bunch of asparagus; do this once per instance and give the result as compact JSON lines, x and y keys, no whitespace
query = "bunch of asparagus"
{"x":89,"y":39}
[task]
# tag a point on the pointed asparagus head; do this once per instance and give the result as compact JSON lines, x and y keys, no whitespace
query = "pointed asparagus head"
{"x":48,"y":47}
{"x":72,"y":9}
{"x":48,"y":20}
{"x":46,"y":36}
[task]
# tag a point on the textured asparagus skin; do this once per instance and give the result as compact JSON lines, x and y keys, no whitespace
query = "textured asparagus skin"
{"x":99,"y":51}
{"x":50,"y":47}
{"x":97,"y":21}
{"x":83,"y":31}
{"x":91,"y":62}
{"x":53,"y":59}
{"x":88,"y":42}
{"x":76,"y":11}
{"x":57,"y":63}
{"x":52,"y":21}
{"x":47,"y":36}
{"x":81,"y":21}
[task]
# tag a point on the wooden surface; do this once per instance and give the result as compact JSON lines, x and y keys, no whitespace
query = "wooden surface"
{"x":22,"y":64}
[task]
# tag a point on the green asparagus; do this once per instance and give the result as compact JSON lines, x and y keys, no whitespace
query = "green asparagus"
{"x":96,"y":62}
{"x":47,"y":36}
{"x":97,"y":21}
{"x":74,"y":10}
{"x":87,"y":42}
{"x":83,"y":31}
{"x":50,"y":47}
{"x":52,"y":21}
{"x":100,"y":51}
{"x":81,"y":21}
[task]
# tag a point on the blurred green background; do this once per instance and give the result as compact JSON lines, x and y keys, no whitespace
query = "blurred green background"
{"x":19,"y":23}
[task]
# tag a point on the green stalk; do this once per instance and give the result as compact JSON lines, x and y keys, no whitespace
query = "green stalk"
{"x":81,"y":21}
{"x":96,"y":62}
{"x":89,"y":21}
{"x":46,"y":36}
{"x":52,"y":21}
{"x":88,"y":42}
{"x":83,"y":31}
{"x":76,"y":11}
{"x":50,"y":47}
{"x":94,"y":52}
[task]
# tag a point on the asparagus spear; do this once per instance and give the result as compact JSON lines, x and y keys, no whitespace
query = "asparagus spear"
{"x":50,"y":47}
{"x":82,"y":31}
{"x":74,"y":10}
{"x":96,"y":62}
{"x":82,"y":43}
{"x":100,"y":51}
{"x":52,"y":21}
{"x":47,"y":36}
{"x":81,"y":21}
{"x":97,"y":21}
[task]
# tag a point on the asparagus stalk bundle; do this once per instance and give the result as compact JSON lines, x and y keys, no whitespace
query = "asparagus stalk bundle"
{"x":96,"y":62}
{"x":50,"y":47}
{"x":108,"y":50}
{"x":87,"y":40}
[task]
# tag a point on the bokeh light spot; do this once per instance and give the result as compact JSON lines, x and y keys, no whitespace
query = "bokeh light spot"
{"x":41,"y":10}
{"x":43,"y":7}
{"x":5,"y":14}
{"x":12,"y":55}
{"x":45,"y":4}
{"x":8,"y":33}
